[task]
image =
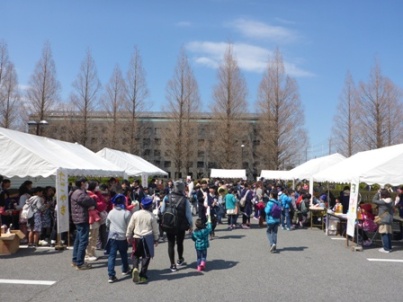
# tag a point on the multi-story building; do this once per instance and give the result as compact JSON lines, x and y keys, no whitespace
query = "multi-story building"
{"x":149,"y":140}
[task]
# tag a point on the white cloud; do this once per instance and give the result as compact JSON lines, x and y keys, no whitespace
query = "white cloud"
{"x":250,"y":58}
{"x":260,"y":30}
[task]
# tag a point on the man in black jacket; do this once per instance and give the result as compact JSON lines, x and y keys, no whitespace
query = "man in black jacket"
{"x":178,"y":200}
{"x":80,"y":203}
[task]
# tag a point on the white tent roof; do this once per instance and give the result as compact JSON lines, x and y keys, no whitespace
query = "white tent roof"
{"x":23,"y":155}
{"x":313,"y":166}
{"x":381,"y":166}
{"x":275,"y":174}
{"x":133,"y":165}
{"x":228,"y":173}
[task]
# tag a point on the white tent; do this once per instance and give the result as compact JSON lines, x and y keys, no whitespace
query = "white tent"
{"x":313,"y":166}
{"x":228,"y":173}
{"x":133,"y":165}
{"x":381,"y":166}
{"x":275,"y":174}
{"x":23,"y":155}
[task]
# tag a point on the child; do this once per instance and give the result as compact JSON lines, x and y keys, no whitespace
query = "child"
{"x":338,"y":207}
{"x":143,"y":232}
{"x":200,"y":237}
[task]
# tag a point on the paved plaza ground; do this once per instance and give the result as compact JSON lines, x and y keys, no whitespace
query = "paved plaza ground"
{"x":309,"y":266}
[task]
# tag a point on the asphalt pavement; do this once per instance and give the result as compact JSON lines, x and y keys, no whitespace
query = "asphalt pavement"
{"x":309,"y":266}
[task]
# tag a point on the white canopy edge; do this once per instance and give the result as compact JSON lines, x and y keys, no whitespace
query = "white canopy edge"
{"x":379,"y":166}
{"x":133,"y":165}
{"x":228,"y":173}
{"x":23,"y":155}
{"x":275,"y":174}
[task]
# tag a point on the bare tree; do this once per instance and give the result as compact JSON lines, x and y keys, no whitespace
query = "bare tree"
{"x":137,"y":92}
{"x":10,"y":102}
{"x":345,"y":122}
{"x":281,"y":120}
{"x":4,"y":60}
{"x":229,"y":108}
{"x":113,"y":102}
{"x":44,"y":88}
{"x":380,"y":111}
{"x":84,"y":98}
{"x":182,"y":93}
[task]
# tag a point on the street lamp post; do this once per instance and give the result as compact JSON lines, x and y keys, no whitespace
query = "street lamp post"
{"x":242,"y":146}
{"x":38,"y":125}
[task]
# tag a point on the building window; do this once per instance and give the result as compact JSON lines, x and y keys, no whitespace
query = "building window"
{"x":157,"y":142}
{"x":200,"y":154}
{"x":157,"y":153}
{"x":147,"y":152}
{"x":146,"y":142}
{"x":157,"y":162}
{"x":200,"y":164}
{"x":167,"y":164}
{"x":167,"y":153}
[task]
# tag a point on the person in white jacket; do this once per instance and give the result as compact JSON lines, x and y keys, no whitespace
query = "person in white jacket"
{"x":143,"y":233}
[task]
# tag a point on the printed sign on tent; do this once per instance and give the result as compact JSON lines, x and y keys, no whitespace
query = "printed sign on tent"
{"x":62,"y":197}
{"x":352,"y":208}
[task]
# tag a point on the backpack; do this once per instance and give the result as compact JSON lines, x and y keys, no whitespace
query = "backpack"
{"x":169,"y":219}
{"x":276,"y":211}
{"x":28,"y":210}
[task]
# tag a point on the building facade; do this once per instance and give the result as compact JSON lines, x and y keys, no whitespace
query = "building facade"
{"x":149,"y":139}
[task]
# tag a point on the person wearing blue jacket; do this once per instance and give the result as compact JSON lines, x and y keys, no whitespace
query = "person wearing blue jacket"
{"x":285,"y":202}
{"x":272,"y":223}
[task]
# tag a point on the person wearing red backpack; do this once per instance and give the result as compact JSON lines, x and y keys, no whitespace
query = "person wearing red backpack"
{"x":272,"y":220}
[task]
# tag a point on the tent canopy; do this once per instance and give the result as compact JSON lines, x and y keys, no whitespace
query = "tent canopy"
{"x":133,"y":165}
{"x":313,"y":166}
{"x":228,"y":173}
{"x":381,"y":166}
{"x":275,"y":174}
{"x":24,"y":155}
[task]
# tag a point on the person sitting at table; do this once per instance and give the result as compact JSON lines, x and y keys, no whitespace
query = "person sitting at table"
{"x":338,"y":207}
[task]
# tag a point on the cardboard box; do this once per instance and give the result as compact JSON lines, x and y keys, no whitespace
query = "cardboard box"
{"x":10,"y":243}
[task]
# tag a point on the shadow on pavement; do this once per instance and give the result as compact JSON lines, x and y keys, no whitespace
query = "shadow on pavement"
{"x":292,"y":249}
{"x":229,"y":237}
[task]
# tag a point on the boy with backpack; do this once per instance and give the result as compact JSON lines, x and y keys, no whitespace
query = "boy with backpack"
{"x":273,"y":215}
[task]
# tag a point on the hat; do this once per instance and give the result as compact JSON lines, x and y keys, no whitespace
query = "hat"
{"x":279,"y":193}
{"x":146,"y":201}
{"x":179,"y":187}
{"x":119,"y":199}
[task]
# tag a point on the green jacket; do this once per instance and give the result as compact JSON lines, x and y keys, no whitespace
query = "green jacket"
{"x":200,"y":237}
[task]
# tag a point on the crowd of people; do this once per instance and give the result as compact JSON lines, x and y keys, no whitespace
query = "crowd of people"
{"x":109,"y":218}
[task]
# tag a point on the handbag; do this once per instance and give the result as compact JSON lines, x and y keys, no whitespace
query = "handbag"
{"x":242,"y":202}
{"x":378,"y":219}
{"x":231,"y":212}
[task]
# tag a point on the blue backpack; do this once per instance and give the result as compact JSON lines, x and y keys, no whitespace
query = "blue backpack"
{"x":276,"y":211}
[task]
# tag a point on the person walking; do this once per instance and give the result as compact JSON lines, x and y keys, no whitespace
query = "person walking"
{"x":143,"y":233}
{"x":80,"y":203}
{"x":117,"y":221}
{"x":178,"y":200}
{"x":272,"y":222}
{"x":200,"y":237}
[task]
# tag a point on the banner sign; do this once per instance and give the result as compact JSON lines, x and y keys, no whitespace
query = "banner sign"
{"x":352,"y":208}
{"x":62,"y":198}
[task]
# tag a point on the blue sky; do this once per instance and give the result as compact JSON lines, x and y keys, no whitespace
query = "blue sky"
{"x":320,"y":41}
